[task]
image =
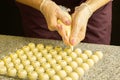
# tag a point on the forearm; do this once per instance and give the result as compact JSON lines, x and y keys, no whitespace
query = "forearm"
{"x":33,"y":3}
{"x":96,"y":4}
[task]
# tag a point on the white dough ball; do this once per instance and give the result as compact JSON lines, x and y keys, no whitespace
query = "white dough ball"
{"x":62,"y":63}
{"x":56,"y":67}
{"x":31,"y":45}
{"x":90,"y":62}
{"x":88,"y":52}
{"x":79,"y":60}
{"x":43,"y":76}
{"x":12,"y":72}
{"x":68,"y":69}
{"x":1,"y":63}
{"x":7,"y":59}
{"x":73,"y":55}
{"x":13,"y":55}
{"x":94,"y":58}
{"x":26,"y":48}
{"x":19,"y":66}
{"x":26,"y":62}
{"x":40,"y":46}
{"x":80,"y":71}
{"x":42,"y":60}
{"x":85,"y":66}
{"x":74,"y":76}
{"x":35,"y":64}
{"x":62,"y":53}
{"x":58,"y":57}
{"x":55,"y":77}
{"x":29,"y":68}
{"x":39,"y":70}
{"x":73,"y":64}
{"x":33,"y":75}
{"x":16,"y":61}
{"x":50,"y":72}
{"x":67,"y":78}
{"x":78,"y":51}
{"x":22,"y":74}
{"x":53,"y":52}
{"x":46,"y":65}
{"x":84,"y":57}
{"x":52,"y":61}
{"x":58,"y":48}
{"x":49,"y":47}
{"x":67,"y":59}
{"x":99,"y":54}
{"x":3,"y":70}
{"x":62,"y":73}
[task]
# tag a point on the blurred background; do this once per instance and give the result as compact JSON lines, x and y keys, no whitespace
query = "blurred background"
{"x":10,"y":20}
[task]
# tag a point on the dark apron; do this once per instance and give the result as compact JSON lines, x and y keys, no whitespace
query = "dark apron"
{"x":98,"y":29}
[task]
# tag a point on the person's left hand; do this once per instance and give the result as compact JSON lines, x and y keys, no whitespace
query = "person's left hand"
{"x":79,"y":23}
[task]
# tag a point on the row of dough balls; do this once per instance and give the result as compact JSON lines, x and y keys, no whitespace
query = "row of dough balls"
{"x":48,"y":62}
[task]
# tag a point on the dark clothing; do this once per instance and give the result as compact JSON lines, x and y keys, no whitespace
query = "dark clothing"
{"x":98,"y":29}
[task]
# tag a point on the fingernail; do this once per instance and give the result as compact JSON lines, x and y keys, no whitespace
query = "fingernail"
{"x":73,"y":41}
{"x":68,"y":22}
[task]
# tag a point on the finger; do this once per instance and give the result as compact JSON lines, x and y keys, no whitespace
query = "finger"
{"x":52,"y":23}
{"x":76,"y":28}
{"x":64,"y":17}
{"x":62,"y":33}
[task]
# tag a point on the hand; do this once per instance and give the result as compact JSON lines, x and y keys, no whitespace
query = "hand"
{"x":55,"y":16}
{"x":79,"y":23}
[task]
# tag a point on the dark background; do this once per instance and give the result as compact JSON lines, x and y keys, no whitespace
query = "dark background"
{"x":10,"y":20}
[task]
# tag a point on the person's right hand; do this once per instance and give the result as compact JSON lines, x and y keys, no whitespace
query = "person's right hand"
{"x":52,"y":13}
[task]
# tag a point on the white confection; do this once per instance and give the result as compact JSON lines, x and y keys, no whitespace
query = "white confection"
{"x":58,"y":57}
{"x":43,"y":76}
{"x":12,"y":72}
{"x":7,"y":59}
{"x":73,"y":64}
{"x":55,"y":77}
{"x":68,"y":50}
{"x":84,"y":57}
{"x":68,"y":69}
{"x":99,"y":54}
{"x":46,"y":65}
{"x":13,"y":55}
{"x":80,"y":71}
{"x":39,"y":70}
{"x":26,"y":48}
{"x":90,"y":62}
{"x":73,"y":55}
{"x":57,"y":67}
{"x":48,"y":56}
{"x":38,"y":55}
{"x":53,"y":52}
{"x":16,"y":61}
{"x":50,"y":72}
{"x":19,"y":66}
{"x":88,"y":52}
{"x":49,"y":47}
{"x":78,"y":51}
{"x":44,"y":51}
{"x":62,"y":73}
{"x":1,"y":63}
{"x":74,"y":76}
{"x":67,"y":78}
{"x":58,"y":48}
{"x":94,"y":58}
{"x":32,"y":58}
{"x":67,"y":59}
{"x":3,"y":70}
{"x":10,"y":64}
{"x":26,"y":62}
{"x":62,"y":63}
{"x":35,"y":64}
{"x":42,"y":60}
{"x":40,"y":46}
{"x":29,"y":68}
{"x":35,"y":50}
{"x":22,"y":74}
{"x":19,"y":52}
{"x":85,"y":66}
{"x":62,"y":53}
{"x":52,"y":61}
{"x":31,"y":45}
{"x":79,"y":60}
{"x":23,"y":57}
{"x":32,"y":75}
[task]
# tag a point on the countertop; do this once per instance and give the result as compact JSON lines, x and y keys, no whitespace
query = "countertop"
{"x":106,"y":69}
